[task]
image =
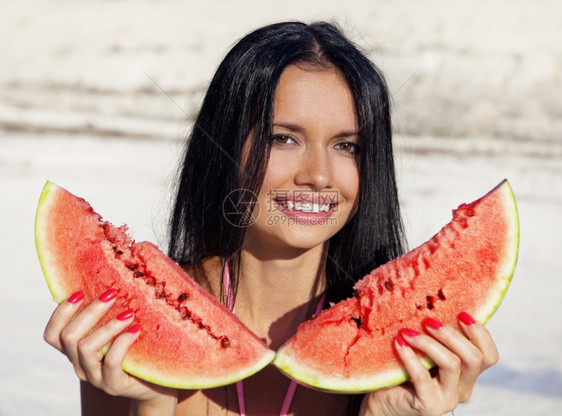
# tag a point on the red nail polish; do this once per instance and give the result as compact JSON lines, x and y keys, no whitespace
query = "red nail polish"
{"x":400,"y":341}
{"x":134,"y":329}
{"x":76,"y":297}
{"x":108,"y":295}
{"x":409,"y":332}
{"x":466,"y":319}
{"x":123,"y":316}
{"x":433,"y":323}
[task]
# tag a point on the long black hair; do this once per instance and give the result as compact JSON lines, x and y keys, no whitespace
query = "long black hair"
{"x":239,"y":102}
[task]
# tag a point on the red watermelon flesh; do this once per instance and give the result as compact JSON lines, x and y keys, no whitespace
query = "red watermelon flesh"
{"x":467,"y":266}
{"x":187,"y":339}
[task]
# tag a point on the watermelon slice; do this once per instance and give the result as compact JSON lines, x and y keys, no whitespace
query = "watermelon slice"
{"x":188,"y":339}
{"x":467,"y":266}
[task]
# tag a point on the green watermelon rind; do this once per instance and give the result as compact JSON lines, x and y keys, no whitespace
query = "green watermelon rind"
{"x":139,"y":371}
{"x":47,"y":264}
{"x":310,"y":377}
{"x":316,"y":379}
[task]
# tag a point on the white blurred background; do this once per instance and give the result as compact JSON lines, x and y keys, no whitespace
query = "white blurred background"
{"x":97,"y":96}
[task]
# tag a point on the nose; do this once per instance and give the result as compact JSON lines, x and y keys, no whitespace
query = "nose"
{"x":315,"y":170}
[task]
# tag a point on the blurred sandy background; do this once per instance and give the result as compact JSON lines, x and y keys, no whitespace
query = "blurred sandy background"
{"x":97,"y":96}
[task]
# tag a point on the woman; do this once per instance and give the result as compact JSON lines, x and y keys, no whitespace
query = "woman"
{"x":295,"y":134}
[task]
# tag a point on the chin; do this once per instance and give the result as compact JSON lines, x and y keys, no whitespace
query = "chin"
{"x":303,"y":239}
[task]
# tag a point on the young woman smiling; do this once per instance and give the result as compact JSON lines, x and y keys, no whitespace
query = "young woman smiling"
{"x":295,"y":131}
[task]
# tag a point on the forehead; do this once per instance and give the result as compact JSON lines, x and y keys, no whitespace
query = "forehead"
{"x":314,"y":94}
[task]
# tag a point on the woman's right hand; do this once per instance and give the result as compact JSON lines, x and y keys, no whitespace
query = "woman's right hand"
{"x":70,"y":330}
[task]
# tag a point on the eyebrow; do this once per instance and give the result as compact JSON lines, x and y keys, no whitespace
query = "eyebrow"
{"x":298,"y":129}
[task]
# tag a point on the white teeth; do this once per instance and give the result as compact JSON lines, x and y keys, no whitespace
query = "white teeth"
{"x":304,"y":207}
{"x":307,"y":207}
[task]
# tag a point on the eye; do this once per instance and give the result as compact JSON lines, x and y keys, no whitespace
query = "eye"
{"x":281,"y":139}
{"x":348,"y":147}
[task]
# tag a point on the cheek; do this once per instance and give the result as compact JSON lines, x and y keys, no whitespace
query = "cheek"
{"x":278,"y":173}
{"x":350,"y":192}
{"x":348,"y":182}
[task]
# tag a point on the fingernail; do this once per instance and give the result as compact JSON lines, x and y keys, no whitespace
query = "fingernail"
{"x":76,"y":297}
{"x":433,"y":323}
{"x":123,"y":316}
{"x":108,"y":295}
{"x":134,"y":329}
{"x":466,"y":319}
{"x":400,"y":341}
{"x":409,"y":332}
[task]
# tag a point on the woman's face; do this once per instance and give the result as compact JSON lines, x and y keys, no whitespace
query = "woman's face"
{"x":311,"y":185}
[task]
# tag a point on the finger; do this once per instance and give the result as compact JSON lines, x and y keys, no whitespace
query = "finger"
{"x":90,"y":348}
{"x":470,"y":356}
{"x":419,"y":376}
{"x":82,"y":324}
{"x":61,"y":316}
{"x":448,"y":362}
{"x":481,"y":338}
{"x":113,"y":374}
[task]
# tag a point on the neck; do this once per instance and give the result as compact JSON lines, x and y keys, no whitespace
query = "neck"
{"x":278,"y":292}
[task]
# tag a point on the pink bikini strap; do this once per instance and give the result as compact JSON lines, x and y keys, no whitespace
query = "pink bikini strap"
{"x":239,"y":385}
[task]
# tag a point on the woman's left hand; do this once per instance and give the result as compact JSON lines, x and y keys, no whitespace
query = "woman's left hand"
{"x":460,"y":358}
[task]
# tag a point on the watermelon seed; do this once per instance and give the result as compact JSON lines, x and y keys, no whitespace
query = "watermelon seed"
{"x":183,"y":297}
{"x":132,"y":267}
{"x":430,"y":304}
{"x":225,"y":343}
{"x":389,"y":285}
{"x":441,"y":295}
{"x":184,"y":313}
{"x":138,"y":274}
